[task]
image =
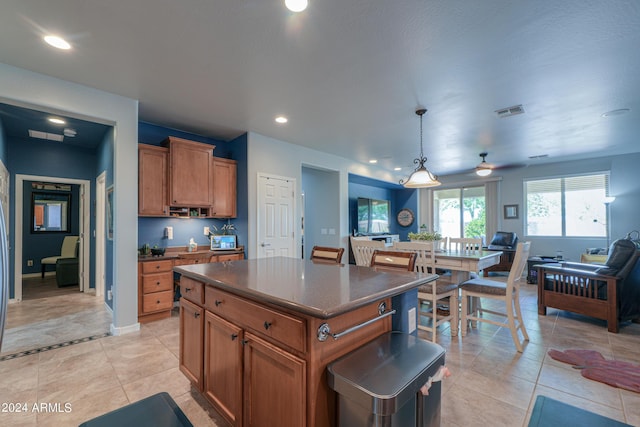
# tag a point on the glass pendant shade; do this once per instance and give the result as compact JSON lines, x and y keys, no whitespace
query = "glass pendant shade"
{"x":483,"y":171}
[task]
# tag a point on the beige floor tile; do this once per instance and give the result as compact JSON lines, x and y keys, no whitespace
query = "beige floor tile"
{"x":631,"y":405}
{"x":199,"y":411}
{"x":511,"y":390}
{"x":570,"y":381}
{"x":171,"y":381}
{"x":19,"y":404}
{"x":134,"y":361}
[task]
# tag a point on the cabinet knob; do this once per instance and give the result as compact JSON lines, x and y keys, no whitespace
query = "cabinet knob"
{"x":234,"y":336}
{"x":157,"y":267}
{"x":158,"y":302}
{"x":245,"y":342}
{"x":187,"y":289}
{"x":218,"y":302}
{"x":158,"y":283}
{"x":196,"y":314}
{"x":267,"y":325}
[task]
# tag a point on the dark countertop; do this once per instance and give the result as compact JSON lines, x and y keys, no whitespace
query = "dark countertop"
{"x":169,"y":255}
{"x":317,"y":289}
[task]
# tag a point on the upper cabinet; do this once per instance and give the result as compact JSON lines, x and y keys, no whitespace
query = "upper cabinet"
{"x":224,"y":188}
{"x":184,"y":179}
{"x":190,"y":173}
{"x":152,"y":180}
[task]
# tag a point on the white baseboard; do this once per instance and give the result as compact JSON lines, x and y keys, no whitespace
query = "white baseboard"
{"x":125,"y":329}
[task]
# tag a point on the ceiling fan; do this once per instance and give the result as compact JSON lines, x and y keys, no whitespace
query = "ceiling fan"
{"x":485,"y":168}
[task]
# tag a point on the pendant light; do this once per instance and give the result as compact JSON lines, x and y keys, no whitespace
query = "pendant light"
{"x":484,"y":168}
{"x":421,"y":177}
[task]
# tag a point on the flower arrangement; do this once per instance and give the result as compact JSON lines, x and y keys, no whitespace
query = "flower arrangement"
{"x":425,"y":235}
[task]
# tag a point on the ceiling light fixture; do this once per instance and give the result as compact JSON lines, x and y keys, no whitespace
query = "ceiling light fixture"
{"x":56,"y":121}
{"x":296,"y":5}
{"x":421,"y":177}
{"x":483,"y":169}
{"x":57,"y":42}
{"x":281,"y":120}
{"x":373,"y":161}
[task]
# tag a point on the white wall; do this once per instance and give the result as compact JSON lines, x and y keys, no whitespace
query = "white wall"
{"x":624,"y":185}
{"x":27,"y":89}
{"x":272,"y":156}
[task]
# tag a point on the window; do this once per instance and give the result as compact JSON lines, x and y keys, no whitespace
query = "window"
{"x":570,"y":206}
{"x":459,"y":212}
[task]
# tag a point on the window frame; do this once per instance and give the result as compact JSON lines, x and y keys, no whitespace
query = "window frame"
{"x":563,"y":213}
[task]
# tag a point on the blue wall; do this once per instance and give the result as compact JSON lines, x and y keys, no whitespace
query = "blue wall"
{"x":399,"y":197}
{"x":3,"y":147}
{"x":151,"y":230}
{"x":44,"y":158}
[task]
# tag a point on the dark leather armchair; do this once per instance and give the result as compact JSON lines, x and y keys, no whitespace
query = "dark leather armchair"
{"x":610,"y":292}
{"x":505,"y":241}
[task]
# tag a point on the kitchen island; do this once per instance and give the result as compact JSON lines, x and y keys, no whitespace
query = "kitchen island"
{"x":256,"y":335}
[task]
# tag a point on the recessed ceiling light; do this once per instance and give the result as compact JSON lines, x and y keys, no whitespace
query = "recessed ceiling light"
{"x":281,"y":119}
{"x":57,"y":121}
{"x":45,"y":135}
{"x":296,"y":5}
{"x":373,"y":161}
{"x":57,"y":42}
{"x":397,"y":169}
{"x":617,"y":112}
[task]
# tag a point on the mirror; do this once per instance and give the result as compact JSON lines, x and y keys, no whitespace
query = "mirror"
{"x":50,"y":212}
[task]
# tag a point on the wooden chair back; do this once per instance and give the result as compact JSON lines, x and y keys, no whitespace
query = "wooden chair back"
{"x":393,"y":260}
{"x":425,"y":254}
{"x":363,"y":250}
{"x":464,"y":244}
{"x":327,"y":254}
{"x":517,"y":268}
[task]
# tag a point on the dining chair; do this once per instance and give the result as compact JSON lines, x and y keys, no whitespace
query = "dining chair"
{"x":363,"y":249}
{"x":383,"y":260}
{"x":437,"y":300}
{"x":69,"y":249}
{"x":508,"y":293}
{"x":331,"y":255}
{"x":464,"y":244}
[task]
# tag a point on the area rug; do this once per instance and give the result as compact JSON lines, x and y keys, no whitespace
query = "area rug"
{"x":594,"y":366}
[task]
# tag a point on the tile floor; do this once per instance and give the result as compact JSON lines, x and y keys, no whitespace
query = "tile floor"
{"x":491,"y":384}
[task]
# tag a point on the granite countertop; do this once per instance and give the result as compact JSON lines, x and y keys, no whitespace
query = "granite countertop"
{"x":317,"y":289}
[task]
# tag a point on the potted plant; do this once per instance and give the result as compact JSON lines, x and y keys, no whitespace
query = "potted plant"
{"x":225,"y":230}
{"x":424,"y":236}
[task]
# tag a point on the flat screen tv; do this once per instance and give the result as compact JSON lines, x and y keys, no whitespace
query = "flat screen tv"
{"x":373,"y":216}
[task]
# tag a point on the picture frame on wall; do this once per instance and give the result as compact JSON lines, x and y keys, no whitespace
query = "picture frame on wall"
{"x":510,"y":211}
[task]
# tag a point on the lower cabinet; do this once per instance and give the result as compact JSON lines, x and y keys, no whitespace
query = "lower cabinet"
{"x":191,"y":342}
{"x":274,"y":385}
{"x":250,"y":381}
{"x":223,"y":367}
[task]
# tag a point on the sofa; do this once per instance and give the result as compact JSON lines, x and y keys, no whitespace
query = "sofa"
{"x":609,"y":292}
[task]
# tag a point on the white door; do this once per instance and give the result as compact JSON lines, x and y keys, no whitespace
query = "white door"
{"x":276,"y":204}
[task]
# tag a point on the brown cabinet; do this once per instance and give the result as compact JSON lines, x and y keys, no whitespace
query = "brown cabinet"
{"x":190,"y":173}
{"x":224,"y":188}
{"x":152,"y":180}
{"x":223,"y":354}
{"x":191,"y":342}
{"x":155,"y":290}
{"x":274,"y":385}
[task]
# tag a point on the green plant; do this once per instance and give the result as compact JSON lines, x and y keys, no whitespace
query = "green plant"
{"x":425,"y":235}
{"x":226,"y":229}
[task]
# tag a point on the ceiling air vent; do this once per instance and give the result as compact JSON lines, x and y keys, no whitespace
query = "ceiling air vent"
{"x":510,"y":111}
{"x":45,"y":135}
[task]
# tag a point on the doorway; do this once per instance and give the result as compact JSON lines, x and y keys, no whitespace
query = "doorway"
{"x":84,"y":255}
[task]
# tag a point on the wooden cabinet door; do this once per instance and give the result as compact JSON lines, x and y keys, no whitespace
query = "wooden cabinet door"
{"x":224,"y":187}
{"x":223,"y":367}
{"x":275,"y":387}
{"x":190,"y":173}
{"x":152,"y":180}
{"x":191,"y":342}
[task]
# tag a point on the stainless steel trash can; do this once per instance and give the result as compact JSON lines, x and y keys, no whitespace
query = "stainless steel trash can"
{"x":379,"y":383}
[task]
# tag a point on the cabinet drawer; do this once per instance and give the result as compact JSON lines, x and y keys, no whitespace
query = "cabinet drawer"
{"x":156,"y":266}
{"x":157,"y":301}
{"x":229,"y":257}
{"x":191,"y":290}
{"x":190,"y":261}
{"x":157,"y":282}
{"x":282,"y":327}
